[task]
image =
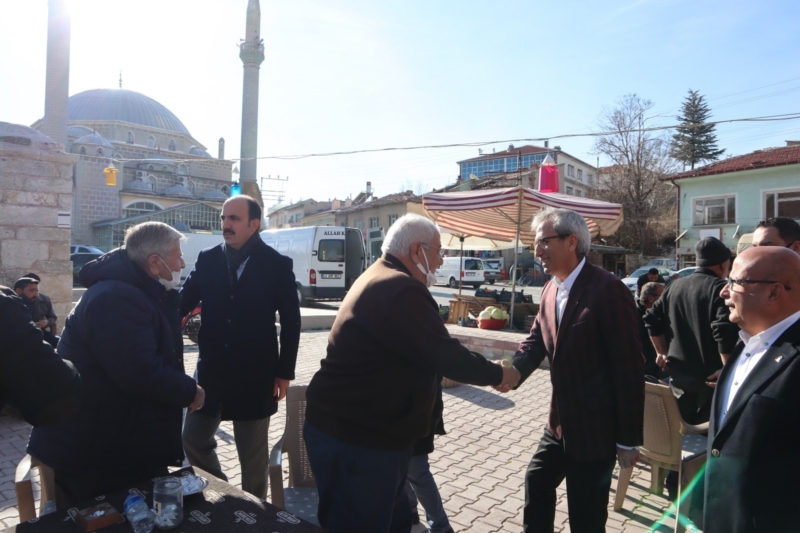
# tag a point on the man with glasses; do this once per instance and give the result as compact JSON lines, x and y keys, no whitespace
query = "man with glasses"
{"x":754,"y":436}
{"x":587,"y":327}
{"x":374,"y":395}
{"x":780,"y":231}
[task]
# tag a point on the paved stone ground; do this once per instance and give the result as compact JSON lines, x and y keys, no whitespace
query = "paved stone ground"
{"x":479,"y":465}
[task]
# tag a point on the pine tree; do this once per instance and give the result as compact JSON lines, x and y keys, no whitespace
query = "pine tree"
{"x":694,"y":144}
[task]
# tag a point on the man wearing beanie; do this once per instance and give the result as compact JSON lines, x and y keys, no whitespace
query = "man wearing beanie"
{"x":703,"y":335}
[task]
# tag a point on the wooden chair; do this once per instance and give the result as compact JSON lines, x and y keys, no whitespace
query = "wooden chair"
{"x":669,"y":444}
{"x":23,"y":486}
{"x":300,"y":498}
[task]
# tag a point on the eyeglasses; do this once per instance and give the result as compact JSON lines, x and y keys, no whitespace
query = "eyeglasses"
{"x":732,"y":282}
{"x":428,"y":246}
{"x":543,"y":242}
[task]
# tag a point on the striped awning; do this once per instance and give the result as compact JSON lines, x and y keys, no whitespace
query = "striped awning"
{"x":495,"y":213}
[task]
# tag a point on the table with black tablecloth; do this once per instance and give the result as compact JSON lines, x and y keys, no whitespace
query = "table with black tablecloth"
{"x":220,"y":507}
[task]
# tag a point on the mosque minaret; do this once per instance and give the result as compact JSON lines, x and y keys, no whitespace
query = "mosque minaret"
{"x":57,"y":76}
{"x":252,"y":55}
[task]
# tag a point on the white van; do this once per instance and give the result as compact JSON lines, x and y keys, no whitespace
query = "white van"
{"x":194,"y":244}
{"x":327,"y":259}
{"x":469,"y":270}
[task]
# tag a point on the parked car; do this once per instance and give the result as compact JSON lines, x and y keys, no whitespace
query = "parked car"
{"x":84,"y":249}
{"x":80,"y":259}
{"x":492,"y":270}
{"x":662,"y":262}
{"x":688,"y":271}
{"x":633,"y":279}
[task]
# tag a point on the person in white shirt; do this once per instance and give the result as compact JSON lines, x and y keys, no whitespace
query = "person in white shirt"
{"x":753,"y":469}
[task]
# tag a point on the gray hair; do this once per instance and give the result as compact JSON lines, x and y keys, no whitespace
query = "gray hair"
{"x":566,"y":222}
{"x":148,"y":238}
{"x":407,"y":230}
{"x":649,"y":289}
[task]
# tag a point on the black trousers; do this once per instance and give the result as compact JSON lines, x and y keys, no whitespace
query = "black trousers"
{"x":73,"y":489}
{"x":588,"y":484}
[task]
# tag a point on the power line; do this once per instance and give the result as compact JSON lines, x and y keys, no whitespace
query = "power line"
{"x":766,"y":118}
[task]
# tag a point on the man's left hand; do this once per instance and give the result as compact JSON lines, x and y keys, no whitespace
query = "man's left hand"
{"x":41,"y":324}
{"x":627,"y":458}
{"x":280,"y":388}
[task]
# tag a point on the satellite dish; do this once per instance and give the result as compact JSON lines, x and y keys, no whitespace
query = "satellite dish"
{"x":473,"y":177}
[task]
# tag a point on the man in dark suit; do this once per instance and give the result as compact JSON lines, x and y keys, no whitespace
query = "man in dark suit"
{"x":754,"y":434}
{"x":242,"y":283}
{"x":588,"y":329}
{"x":651,"y":276}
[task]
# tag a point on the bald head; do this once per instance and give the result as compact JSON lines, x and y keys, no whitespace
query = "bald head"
{"x":766,"y":288}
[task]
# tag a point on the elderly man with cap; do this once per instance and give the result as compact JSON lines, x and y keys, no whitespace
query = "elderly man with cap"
{"x":703,"y":334}
{"x":754,"y":435}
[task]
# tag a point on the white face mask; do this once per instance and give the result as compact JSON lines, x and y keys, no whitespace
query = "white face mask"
{"x":430,"y":277}
{"x":170,"y":284}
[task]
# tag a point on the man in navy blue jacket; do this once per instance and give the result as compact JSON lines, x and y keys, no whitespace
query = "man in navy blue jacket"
{"x":124,"y":338}
{"x":242,"y":283}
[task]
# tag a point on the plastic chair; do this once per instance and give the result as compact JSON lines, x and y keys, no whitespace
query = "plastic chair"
{"x":23,"y":487}
{"x":669,"y":444}
{"x":300,"y":498}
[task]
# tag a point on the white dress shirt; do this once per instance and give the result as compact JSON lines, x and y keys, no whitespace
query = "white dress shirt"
{"x":562,"y":294}
{"x":241,"y":268}
{"x":755,"y":348}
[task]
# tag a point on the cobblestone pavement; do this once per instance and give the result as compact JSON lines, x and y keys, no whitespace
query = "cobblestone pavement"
{"x":479,"y":465}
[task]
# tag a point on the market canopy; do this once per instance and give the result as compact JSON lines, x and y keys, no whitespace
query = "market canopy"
{"x":497,"y":214}
{"x":452,"y":241}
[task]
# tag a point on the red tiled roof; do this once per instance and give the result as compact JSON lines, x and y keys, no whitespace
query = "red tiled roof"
{"x":768,"y":157}
{"x":524,"y":150}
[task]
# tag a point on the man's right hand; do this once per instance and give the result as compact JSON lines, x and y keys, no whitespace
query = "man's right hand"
{"x":199,"y":400}
{"x":511,"y":377}
{"x":661,"y":361}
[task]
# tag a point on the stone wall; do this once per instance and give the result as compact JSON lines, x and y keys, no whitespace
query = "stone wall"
{"x":35,"y":185}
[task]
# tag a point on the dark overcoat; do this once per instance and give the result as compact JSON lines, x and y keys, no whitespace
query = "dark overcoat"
{"x":596,"y":365}
{"x":239,"y":353}
{"x":753,"y":467}
{"x":124,"y":338}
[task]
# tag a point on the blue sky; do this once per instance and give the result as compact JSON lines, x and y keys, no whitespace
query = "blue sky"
{"x":358,"y":74}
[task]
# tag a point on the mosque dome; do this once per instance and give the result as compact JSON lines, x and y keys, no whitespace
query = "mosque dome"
{"x":179,"y":191}
{"x":194,"y":150}
{"x":78,"y":131}
{"x":123,"y":105}
{"x":215,"y":195}
{"x":94,"y":138}
{"x":139,"y":186}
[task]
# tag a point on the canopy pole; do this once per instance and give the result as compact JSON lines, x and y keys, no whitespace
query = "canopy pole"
{"x":516,"y":255}
{"x":460,"y":265}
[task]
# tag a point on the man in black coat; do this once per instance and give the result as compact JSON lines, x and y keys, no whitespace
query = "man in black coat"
{"x":754,"y":435}
{"x":241,"y":283}
{"x":124,"y":338}
{"x":703,"y":334}
{"x":651,"y":276}
{"x":44,"y":388}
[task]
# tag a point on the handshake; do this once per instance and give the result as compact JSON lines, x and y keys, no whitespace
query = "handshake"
{"x":511,"y":377}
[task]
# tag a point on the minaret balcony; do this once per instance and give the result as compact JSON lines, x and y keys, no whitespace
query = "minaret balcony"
{"x":251,"y":52}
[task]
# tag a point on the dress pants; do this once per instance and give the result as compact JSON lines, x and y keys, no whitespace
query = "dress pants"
{"x":360,"y":489}
{"x":251,"y":437}
{"x":422,"y":487}
{"x":588,"y":484}
{"x":74,"y":489}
